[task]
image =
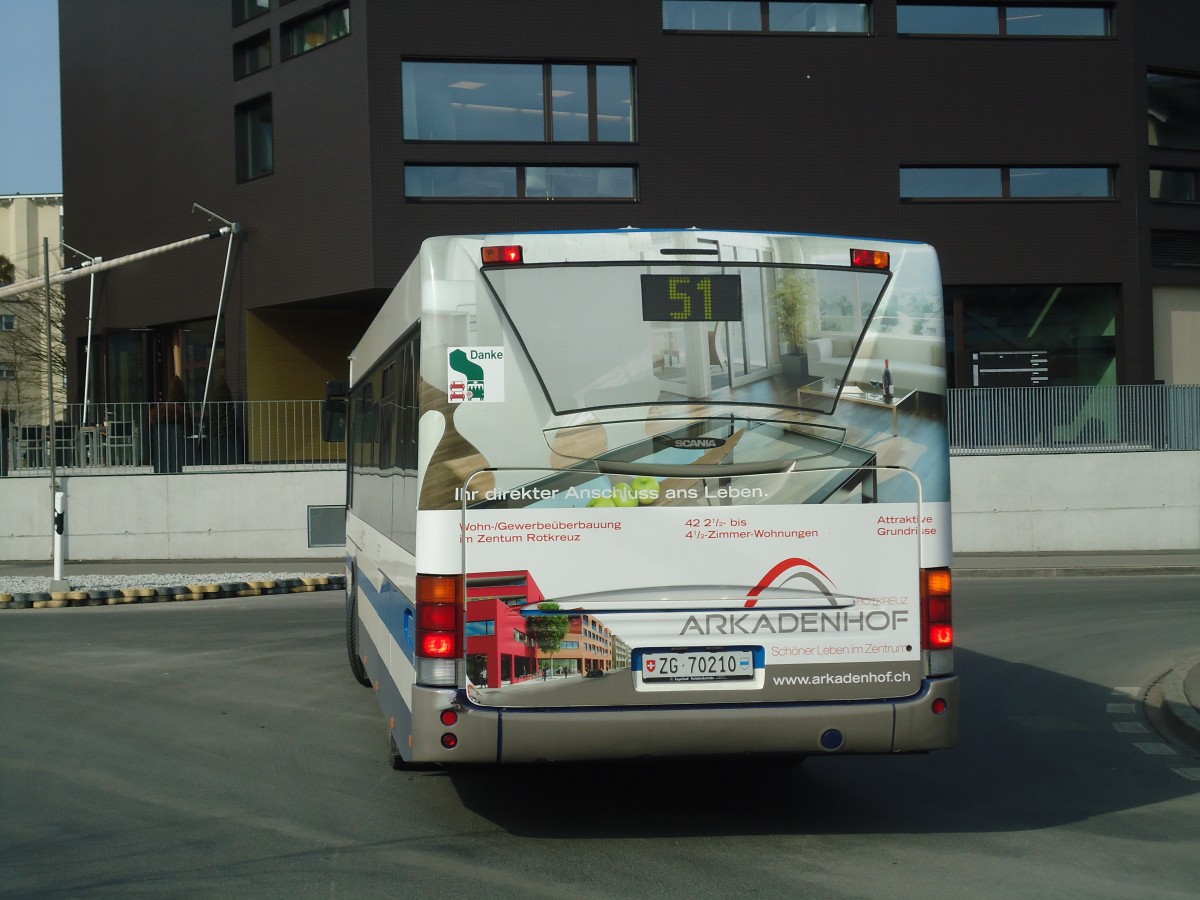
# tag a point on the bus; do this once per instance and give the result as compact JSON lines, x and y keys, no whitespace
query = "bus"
{"x":652,"y":493}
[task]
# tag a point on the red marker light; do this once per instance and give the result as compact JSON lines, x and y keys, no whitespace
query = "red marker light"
{"x":507,"y":255}
{"x":870,"y":259}
{"x":449,"y":718}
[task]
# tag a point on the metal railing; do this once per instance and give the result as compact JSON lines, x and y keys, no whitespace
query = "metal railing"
{"x":269,"y":435}
{"x":1103,"y":419}
{"x":141,"y":438}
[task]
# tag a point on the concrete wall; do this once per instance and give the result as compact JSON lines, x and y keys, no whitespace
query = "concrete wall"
{"x":251,"y":515}
{"x":1076,"y":502}
{"x":1018,"y":504}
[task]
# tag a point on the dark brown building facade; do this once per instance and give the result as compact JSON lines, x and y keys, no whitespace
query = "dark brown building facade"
{"x":1050,"y":151}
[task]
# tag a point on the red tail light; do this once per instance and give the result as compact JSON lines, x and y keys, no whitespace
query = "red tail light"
{"x":870,"y":259}
{"x":507,"y":255}
{"x":937,"y":619}
{"x":439,"y":616}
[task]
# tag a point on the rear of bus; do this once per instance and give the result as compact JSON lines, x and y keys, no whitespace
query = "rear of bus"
{"x":644,"y":528}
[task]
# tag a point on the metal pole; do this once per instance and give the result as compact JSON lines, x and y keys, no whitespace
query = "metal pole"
{"x":56,"y":497}
{"x":233,"y":228}
{"x":87,"y":356}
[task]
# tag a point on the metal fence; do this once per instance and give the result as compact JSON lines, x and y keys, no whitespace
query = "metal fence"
{"x":141,"y":438}
{"x":1108,"y":418}
{"x":267,"y":435}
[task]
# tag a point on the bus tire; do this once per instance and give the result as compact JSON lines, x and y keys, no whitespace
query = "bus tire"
{"x":356,"y":664}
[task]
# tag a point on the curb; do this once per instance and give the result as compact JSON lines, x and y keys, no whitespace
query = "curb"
{"x":1070,"y":571}
{"x":1177,"y":710}
{"x":170,"y":593}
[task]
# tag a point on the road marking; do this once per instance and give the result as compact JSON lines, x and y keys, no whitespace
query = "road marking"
{"x":1155,"y":749}
{"x":1134,"y":692}
{"x":1189,"y":774}
{"x":1121,"y":708}
{"x":1131,"y":727}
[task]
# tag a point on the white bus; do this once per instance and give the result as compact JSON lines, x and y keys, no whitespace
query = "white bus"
{"x":643,"y":493}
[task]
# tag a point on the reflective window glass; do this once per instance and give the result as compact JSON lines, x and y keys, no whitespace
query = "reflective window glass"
{"x":255,"y":139}
{"x":569,"y":103}
{"x":460,"y":181}
{"x":495,"y":101}
{"x":712,"y":15}
{"x":1174,"y":184}
{"x":521,"y":182}
{"x":914,"y":18}
{"x":579,"y":181}
{"x":473,"y":101}
{"x":1174,"y":110}
{"x":614,"y":103}
{"x":950,"y":182}
{"x":252,"y":55}
{"x":819,"y":17}
{"x":1086,"y":21}
{"x":1060,"y":182}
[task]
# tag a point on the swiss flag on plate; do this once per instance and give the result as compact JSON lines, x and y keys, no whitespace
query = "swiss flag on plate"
{"x":649,"y":665}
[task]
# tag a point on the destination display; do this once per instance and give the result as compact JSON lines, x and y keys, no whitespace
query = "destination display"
{"x":691,"y":298}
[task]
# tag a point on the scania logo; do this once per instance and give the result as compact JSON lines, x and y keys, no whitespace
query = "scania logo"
{"x":707,"y":443}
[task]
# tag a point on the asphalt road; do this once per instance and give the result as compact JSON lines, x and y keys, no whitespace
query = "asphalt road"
{"x":222,"y":748}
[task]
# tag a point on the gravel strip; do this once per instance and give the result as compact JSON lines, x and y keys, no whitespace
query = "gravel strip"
{"x":11,"y":584}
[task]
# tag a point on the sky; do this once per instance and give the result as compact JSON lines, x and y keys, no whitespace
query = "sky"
{"x":30,"y":127}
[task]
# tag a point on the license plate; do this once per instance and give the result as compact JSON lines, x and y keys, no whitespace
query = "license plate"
{"x":677,"y":666}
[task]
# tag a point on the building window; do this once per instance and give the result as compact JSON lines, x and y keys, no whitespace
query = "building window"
{"x":1004,"y":20}
{"x":252,"y":55}
{"x":1005,"y":182}
{"x":1074,"y":325}
{"x":762,"y":15}
{"x":1178,"y":185}
{"x":7,"y":322}
{"x":255,"y":140}
{"x":8,"y":372}
{"x":482,"y":628}
{"x":497,"y":101}
{"x":1174,"y":110}
{"x":245,"y":10}
{"x":521,"y":182}
{"x":316,"y":30}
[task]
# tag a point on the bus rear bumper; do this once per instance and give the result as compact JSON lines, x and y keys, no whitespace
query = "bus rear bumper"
{"x":509,"y":735}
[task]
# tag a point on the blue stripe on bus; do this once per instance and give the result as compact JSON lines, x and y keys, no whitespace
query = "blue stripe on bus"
{"x":395,"y":610}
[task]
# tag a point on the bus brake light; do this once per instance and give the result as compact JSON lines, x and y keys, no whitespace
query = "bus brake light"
{"x":870,"y":259}
{"x":506,"y":255}
{"x":937,"y":610}
{"x":439,"y":616}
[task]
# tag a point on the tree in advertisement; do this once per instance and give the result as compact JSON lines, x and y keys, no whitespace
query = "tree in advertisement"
{"x":547,"y":632}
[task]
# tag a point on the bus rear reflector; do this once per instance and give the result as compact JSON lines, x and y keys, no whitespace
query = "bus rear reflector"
{"x":937,"y":619}
{"x":506,"y":255}
{"x":870,"y":259}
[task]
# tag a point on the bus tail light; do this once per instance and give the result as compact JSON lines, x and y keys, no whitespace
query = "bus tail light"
{"x":937,"y":620}
{"x":870,"y":259}
{"x":505,"y":255}
{"x":439,"y":631}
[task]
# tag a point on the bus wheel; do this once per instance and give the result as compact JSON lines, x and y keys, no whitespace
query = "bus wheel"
{"x":356,"y":664}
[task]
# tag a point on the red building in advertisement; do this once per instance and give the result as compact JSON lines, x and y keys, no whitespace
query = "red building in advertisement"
{"x":499,"y":649}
